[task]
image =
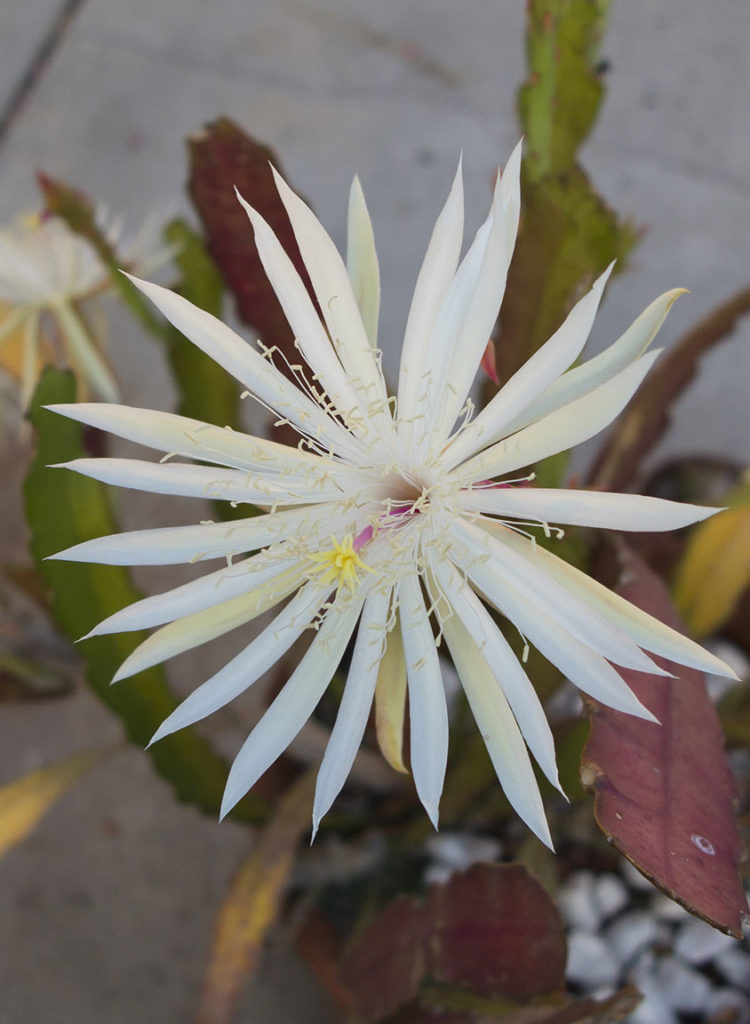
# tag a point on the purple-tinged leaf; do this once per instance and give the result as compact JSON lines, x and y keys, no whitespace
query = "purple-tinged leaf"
{"x":223,"y":158}
{"x":493,"y":930}
{"x":664,"y":794}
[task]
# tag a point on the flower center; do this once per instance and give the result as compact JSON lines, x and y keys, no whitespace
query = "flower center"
{"x":340,"y":563}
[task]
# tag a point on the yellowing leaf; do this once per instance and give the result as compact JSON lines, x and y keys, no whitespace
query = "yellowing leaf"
{"x":715,"y":570}
{"x":24,"y":802}
{"x":251,"y":904}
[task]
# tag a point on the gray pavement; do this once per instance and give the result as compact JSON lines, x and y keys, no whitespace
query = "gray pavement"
{"x":105,"y":913}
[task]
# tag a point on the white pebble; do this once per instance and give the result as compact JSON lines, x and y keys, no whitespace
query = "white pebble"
{"x":722,"y":1000}
{"x":459,"y":850}
{"x":734,"y":964}
{"x":578,"y":904}
{"x":590,"y":961}
{"x":611,"y":895}
{"x":653,"y":1008}
{"x":632,"y":933}
{"x":697,"y":942}
{"x":668,"y":910}
{"x":683,"y":988}
{"x":634,"y":878}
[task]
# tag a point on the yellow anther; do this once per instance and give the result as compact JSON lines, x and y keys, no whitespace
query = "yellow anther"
{"x":340,"y":563}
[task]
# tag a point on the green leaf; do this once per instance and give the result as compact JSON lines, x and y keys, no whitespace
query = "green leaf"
{"x":64,"y":508}
{"x":559,"y":101}
{"x":568,"y":235}
{"x":79,"y":213}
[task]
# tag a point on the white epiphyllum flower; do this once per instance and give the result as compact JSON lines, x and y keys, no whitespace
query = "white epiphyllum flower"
{"x":47,"y":272}
{"x":393,"y":522}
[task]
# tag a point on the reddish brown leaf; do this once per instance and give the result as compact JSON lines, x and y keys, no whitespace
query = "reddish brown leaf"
{"x":223,"y":158}
{"x":547,"y":1010}
{"x":492,"y":929}
{"x":647,"y":416}
{"x":664,"y":793}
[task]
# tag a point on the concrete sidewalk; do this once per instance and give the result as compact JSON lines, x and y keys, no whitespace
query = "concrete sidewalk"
{"x":105,"y":913}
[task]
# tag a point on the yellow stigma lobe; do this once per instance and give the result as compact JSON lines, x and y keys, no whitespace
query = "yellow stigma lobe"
{"x":340,"y":563}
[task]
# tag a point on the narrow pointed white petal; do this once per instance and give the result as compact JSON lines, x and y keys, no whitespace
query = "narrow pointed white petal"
{"x":453,"y":313}
{"x":647,"y":631}
{"x":362,"y":262}
{"x":249,"y":665}
{"x":310,"y":335}
{"x":390,"y":699}
{"x":566,"y":427}
{"x":356,"y":702}
{"x":435,"y":275}
{"x":227,"y":349}
{"x":537,"y":373}
{"x":585,"y":668}
{"x":589,"y":375}
{"x":428,"y":714}
{"x":584,"y":508}
{"x":504,"y":666}
{"x":182,"y":436}
{"x":190,"y":481}
{"x":200,"y":627}
{"x":171,"y":545}
{"x":504,"y":576}
{"x":463,"y":351}
{"x":498,"y":728}
{"x":188,"y":598}
{"x":336,"y":299}
{"x":510,"y":186}
{"x":296,"y":701}
{"x":482,"y":312}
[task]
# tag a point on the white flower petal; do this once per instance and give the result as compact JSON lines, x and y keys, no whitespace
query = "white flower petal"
{"x":562,"y":429}
{"x":510,"y":186}
{"x":435,"y":275}
{"x":589,"y":375}
{"x":250,"y":368}
{"x":585,"y":668}
{"x":390,"y":699}
{"x":504,"y":576}
{"x":454,"y":311}
{"x":249,"y":665}
{"x":482,"y":311}
{"x":356,"y":702}
{"x":190,"y":481}
{"x":310,"y":335}
{"x":428,"y":714}
{"x":187,"y":633}
{"x":296,"y":701}
{"x":209,"y":590}
{"x":504,"y":666}
{"x":647,"y":631}
{"x":336,"y":299}
{"x":171,"y":545}
{"x":584,"y":508}
{"x":498,"y":728}
{"x":179,"y":435}
{"x":539,"y":371}
{"x":362,"y":262}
